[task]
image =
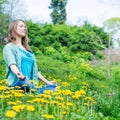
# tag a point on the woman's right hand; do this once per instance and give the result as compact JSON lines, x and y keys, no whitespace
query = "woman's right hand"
{"x":20,"y":76}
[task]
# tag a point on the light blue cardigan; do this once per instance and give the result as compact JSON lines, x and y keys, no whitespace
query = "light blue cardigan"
{"x":11,"y":55}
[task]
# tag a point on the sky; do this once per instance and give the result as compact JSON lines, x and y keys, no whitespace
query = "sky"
{"x":95,"y":11}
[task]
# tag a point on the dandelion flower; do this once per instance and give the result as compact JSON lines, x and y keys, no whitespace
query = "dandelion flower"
{"x":10,"y":114}
{"x":30,"y":108}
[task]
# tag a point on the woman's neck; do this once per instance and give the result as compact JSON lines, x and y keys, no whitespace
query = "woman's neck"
{"x":18,"y":41}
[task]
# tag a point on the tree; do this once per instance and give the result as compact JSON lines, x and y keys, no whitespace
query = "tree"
{"x":15,"y":9}
{"x":112,"y":26}
{"x":1,"y":5}
{"x":3,"y":22}
{"x":58,"y":14}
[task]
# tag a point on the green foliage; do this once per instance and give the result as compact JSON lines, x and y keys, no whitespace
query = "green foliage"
{"x":1,"y":5}
{"x":99,"y":55}
{"x":53,"y":53}
{"x":102,"y":36}
{"x":85,"y":38}
{"x":36,"y":50}
{"x":112,"y":25}
{"x":84,"y":55}
{"x":4,"y":26}
{"x":58,"y":14}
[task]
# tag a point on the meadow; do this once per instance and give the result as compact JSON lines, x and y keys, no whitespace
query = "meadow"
{"x":84,"y":91}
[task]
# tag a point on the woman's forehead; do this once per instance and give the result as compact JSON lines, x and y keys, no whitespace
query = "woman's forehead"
{"x":21,"y":23}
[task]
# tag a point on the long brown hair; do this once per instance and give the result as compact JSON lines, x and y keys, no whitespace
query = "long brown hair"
{"x":11,"y":34}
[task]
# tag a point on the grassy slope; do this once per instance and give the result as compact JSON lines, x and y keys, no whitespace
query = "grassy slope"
{"x":105,"y":91}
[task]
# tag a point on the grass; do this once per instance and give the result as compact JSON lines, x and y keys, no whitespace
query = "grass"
{"x":100,"y":101}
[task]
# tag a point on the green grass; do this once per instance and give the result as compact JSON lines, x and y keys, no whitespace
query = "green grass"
{"x":105,"y":91}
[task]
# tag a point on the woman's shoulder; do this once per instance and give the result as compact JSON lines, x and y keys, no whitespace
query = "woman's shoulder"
{"x":10,"y":45}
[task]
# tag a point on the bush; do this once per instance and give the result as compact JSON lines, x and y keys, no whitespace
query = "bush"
{"x":99,"y":55}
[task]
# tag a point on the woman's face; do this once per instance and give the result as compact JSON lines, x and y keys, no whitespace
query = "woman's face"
{"x":21,"y":29}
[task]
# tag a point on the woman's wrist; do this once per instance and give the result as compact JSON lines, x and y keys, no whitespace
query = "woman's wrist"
{"x":20,"y":76}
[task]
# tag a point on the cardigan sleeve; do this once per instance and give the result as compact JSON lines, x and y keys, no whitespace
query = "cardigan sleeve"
{"x":9,"y":55}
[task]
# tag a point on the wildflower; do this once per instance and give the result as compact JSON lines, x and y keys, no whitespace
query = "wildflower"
{"x":84,"y":87}
{"x":69,"y":104}
{"x":47,"y":116}
{"x":32,"y":81}
{"x":86,"y":104}
{"x":75,"y":97}
{"x":30,"y":95}
{"x":18,"y":87}
{"x":66,"y":92}
{"x":19,"y":94}
{"x":30,"y":108}
{"x":48,"y":92}
{"x":82,"y":92}
{"x":3,"y":88}
{"x":54,"y":102}
{"x":7,"y":96}
{"x":39,"y":86}
{"x":24,"y":85}
{"x":19,"y":108}
{"x":18,"y":102}
{"x":33,"y":90}
{"x":84,"y":83}
{"x":7,"y":82}
{"x":88,"y":98}
{"x":48,"y":96}
{"x":65,"y":84}
{"x":59,"y":98}
{"x":93,"y":102}
{"x":1,"y":96}
{"x":10,"y":114}
{"x":64,"y":106}
{"x":64,"y":113}
{"x":7,"y":92}
{"x":12,"y":103}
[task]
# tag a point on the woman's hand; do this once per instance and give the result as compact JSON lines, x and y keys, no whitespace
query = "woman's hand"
{"x":20,"y":76}
{"x":16,"y":71}
{"x":51,"y":83}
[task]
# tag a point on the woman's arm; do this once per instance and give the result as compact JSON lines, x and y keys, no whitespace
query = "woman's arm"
{"x":40,"y":77}
{"x":16,"y":71}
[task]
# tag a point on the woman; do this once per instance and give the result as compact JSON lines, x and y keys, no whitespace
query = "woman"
{"x":20,"y":60}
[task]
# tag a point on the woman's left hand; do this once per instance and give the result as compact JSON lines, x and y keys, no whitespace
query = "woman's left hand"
{"x":52,"y":83}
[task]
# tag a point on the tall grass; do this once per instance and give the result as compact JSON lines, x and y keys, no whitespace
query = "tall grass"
{"x":84,"y":93}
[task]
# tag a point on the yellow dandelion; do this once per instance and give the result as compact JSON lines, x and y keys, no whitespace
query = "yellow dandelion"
{"x":30,"y":108}
{"x":64,"y":113}
{"x":69,"y":104}
{"x":7,"y":96}
{"x":10,"y":114}
{"x":86,"y":104}
{"x":3,"y":88}
{"x":12,"y":103}
{"x":18,"y":87}
{"x":7,"y":92}
{"x":39,"y":86}
{"x":47,"y":116}
{"x":65,"y":84}
{"x":59,"y":98}
{"x":84,"y":83}
{"x":18,"y":108}
{"x":1,"y":96}
{"x":24,"y":85}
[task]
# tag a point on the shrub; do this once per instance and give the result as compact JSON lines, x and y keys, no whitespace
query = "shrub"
{"x":99,"y":55}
